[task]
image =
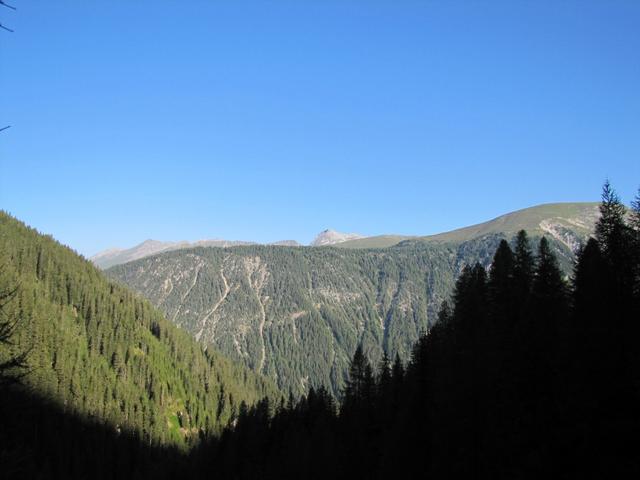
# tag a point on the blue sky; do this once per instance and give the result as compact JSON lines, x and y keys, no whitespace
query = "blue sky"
{"x":274,"y":120}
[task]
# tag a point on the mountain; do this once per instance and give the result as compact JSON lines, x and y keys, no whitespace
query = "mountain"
{"x":297,"y":314}
{"x":116,"y":256}
{"x":99,"y":351}
{"x":331,"y":237}
{"x":568,"y":223}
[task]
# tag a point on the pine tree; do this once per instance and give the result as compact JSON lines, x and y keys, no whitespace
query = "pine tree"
{"x":384,"y":378}
{"x":523,"y":265}
{"x":610,"y":228}
{"x":548,"y":285}
{"x":501,"y":291}
{"x":357,"y":383}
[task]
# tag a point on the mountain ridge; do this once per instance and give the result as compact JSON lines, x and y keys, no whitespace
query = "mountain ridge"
{"x":552,"y":218}
{"x":297,"y":314}
{"x":548,"y":218}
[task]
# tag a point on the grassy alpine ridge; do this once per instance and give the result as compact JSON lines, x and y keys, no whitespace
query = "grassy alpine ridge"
{"x":559,"y":220}
{"x":297,"y":314}
{"x":100,"y":351}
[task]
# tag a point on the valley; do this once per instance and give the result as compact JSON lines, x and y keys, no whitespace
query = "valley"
{"x":296,"y":314}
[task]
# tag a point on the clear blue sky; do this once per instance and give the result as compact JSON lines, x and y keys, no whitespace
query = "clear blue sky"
{"x":276,"y":119}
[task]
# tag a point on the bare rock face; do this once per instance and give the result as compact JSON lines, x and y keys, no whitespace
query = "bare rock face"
{"x":331,"y":237}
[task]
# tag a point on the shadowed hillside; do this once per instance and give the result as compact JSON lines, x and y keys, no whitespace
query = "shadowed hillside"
{"x":98,"y":350}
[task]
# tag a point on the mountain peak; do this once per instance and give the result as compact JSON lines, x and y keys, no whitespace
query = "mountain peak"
{"x":331,"y":237}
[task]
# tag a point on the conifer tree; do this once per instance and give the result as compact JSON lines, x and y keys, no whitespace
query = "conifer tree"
{"x":501,"y":273}
{"x":523,"y":265}
{"x":397,"y":378}
{"x":501,"y":291}
{"x":619,"y":281}
{"x":610,"y":228}
{"x":384,"y":379}
{"x":359,"y":381}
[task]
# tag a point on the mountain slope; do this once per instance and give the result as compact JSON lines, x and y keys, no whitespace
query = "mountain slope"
{"x":297,"y":314}
{"x":568,"y":223}
{"x":99,"y":350}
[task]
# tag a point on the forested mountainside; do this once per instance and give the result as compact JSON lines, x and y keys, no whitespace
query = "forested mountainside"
{"x":525,"y":375}
{"x":297,"y":314}
{"x":98,"y":351}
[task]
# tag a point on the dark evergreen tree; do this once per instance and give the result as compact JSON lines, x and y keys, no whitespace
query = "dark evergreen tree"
{"x":357,"y":384}
{"x":522,"y":268}
{"x":611,"y":226}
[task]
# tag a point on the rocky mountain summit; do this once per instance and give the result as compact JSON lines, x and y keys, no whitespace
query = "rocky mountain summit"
{"x":331,"y":237}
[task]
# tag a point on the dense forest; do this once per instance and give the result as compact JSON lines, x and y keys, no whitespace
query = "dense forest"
{"x":96,"y":352}
{"x":526,"y":374}
{"x":297,"y":314}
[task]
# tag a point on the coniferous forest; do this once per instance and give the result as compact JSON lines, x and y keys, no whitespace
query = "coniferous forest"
{"x":526,"y":374}
{"x":96,"y":364}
